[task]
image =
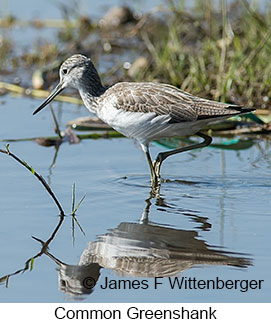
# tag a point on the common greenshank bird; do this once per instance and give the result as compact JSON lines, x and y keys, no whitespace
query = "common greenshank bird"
{"x":143,"y":111}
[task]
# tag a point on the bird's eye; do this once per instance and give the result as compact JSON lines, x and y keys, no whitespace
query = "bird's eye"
{"x":65,"y":71}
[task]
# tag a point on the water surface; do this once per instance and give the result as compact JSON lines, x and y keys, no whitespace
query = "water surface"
{"x":211,"y":220}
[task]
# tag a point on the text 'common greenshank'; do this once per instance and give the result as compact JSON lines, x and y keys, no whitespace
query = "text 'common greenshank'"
{"x":143,"y":111}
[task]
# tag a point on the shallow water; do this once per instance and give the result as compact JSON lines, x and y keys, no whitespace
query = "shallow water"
{"x":211,"y":220}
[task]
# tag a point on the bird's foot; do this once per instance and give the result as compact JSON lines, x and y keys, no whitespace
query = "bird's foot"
{"x":155,"y":188}
{"x":156,"y":179}
{"x":157,"y":166}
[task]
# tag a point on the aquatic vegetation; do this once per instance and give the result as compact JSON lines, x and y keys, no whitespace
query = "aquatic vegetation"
{"x":216,"y":52}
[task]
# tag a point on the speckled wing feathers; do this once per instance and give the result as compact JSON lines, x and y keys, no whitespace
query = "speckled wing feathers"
{"x":164,"y":99}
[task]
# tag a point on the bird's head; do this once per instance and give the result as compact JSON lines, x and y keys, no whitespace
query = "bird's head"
{"x":76,"y":72}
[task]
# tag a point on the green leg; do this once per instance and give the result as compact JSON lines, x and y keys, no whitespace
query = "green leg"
{"x":163,"y":155}
{"x":154,"y":179}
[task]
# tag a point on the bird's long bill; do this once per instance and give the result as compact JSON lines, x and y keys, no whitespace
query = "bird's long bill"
{"x":59,"y":88}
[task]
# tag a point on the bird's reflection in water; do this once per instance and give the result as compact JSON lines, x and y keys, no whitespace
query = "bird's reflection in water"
{"x":141,"y":249}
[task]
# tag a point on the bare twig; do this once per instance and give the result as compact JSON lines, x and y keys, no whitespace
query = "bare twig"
{"x":38,"y":176}
{"x":30,"y":262}
{"x":45,"y":244}
{"x":57,"y":129}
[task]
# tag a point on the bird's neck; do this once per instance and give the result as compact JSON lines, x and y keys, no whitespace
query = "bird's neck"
{"x":91,"y":93}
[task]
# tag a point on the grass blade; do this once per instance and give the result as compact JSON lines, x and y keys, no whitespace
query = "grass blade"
{"x":77,"y":206}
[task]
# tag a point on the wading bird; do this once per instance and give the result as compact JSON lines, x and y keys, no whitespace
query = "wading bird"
{"x":144,"y":111}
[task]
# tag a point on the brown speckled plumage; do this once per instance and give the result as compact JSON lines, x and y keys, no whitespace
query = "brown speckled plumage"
{"x":164,"y":99}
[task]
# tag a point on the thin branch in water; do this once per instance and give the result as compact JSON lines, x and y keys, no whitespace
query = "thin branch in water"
{"x":38,"y":176}
{"x":74,"y":210}
{"x":30,"y":262}
{"x":54,"y":159}
{"x":57,"y":129}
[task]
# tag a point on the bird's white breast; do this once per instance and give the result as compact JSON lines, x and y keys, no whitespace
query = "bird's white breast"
{"x":130,"y":124}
